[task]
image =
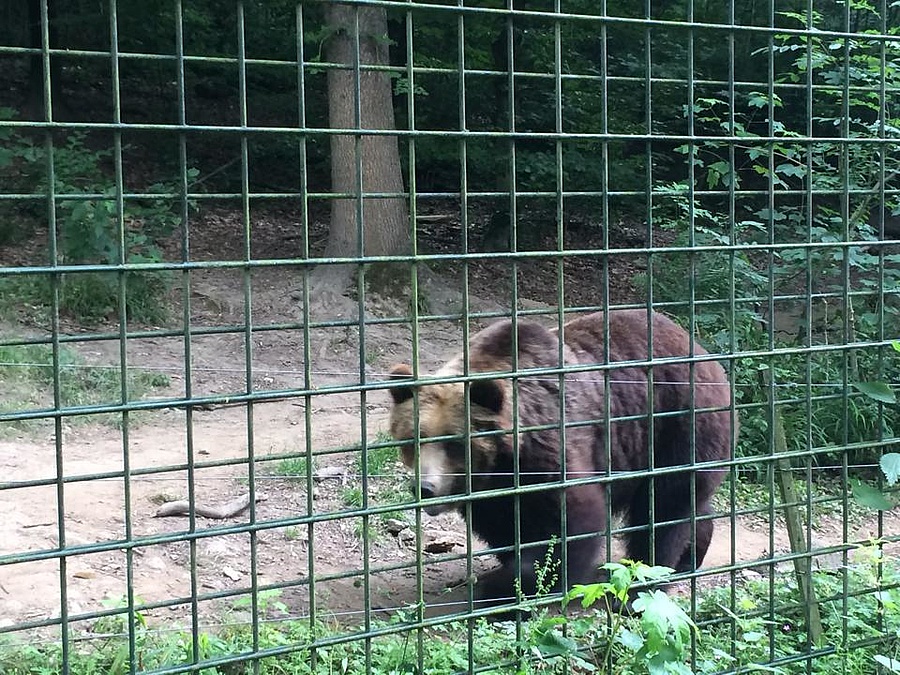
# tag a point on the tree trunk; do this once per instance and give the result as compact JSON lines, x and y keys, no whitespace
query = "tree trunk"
{"x":33,"y":106}
{"x":385,"y":221}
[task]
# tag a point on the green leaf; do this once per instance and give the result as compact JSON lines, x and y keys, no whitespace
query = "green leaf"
{"x":630,"y":640}
{"x":870,"y":497}
{"x":880,"y":391}
{"x":554,"y":643}
{"x":791,"y":170}
{"x":890,"y":465}
{"x":721,"y":167}
{"x":621,"y":581}
{"x":757,"y":100}
{"x":661,"y":618}
{"x":645,"y":573}
{"x":589,"y":593}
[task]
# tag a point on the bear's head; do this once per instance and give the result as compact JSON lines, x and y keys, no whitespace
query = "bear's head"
{"x":443,"y":459}
{"x":442,"y":452}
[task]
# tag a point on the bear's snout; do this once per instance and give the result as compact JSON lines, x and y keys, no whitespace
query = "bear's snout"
{"x":427,"y":489}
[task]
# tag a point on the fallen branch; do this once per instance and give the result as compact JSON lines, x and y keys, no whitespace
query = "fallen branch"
{"x":182,"y":507}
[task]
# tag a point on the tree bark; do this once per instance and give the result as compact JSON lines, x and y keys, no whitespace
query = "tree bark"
{"x":385,"y":220}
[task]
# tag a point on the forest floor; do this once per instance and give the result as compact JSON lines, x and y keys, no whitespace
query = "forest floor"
{"x":101,"y":512}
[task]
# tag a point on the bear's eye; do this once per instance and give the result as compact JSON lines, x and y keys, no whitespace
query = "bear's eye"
{"x":455,"y":448}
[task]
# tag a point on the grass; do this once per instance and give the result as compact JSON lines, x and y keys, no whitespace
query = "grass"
{"x":294,"y":467}
{"x":395,"y":653}
{"x":382,"y":467}
{"x":763,"y":631}
{"x":388,"y":483}
{"x":352,"y":497}
{"x":737,"y":633}
{"x":27,"y":382}
{"x":380,"y":459}
{"x":89,"y":298}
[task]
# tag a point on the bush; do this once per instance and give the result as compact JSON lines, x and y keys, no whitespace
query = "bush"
{"x":794,"y":295}
{"x":701,"y":284}
{"x":90,"y":229}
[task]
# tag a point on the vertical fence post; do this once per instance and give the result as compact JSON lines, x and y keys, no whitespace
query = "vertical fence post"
{"x":802,"y":561}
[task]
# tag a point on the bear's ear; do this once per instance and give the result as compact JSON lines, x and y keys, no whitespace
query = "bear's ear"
{"x":488,"y":394}
{"x":401,"y":372}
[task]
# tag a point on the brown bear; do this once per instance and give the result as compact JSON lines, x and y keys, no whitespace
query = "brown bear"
{"x":562,"y":442}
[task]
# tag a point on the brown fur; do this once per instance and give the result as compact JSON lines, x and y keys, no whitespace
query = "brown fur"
{"x":441,"y":409}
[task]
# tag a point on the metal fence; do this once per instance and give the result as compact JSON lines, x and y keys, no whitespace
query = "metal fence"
{"x":200,"y":474}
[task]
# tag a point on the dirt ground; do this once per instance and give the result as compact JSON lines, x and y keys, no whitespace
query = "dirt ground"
{"x":100,"y":514}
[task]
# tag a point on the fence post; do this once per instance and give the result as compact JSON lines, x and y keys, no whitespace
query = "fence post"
{"x":802,"y":563}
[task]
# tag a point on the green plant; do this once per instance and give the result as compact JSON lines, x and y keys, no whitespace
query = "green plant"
{"x":118,"y":623}
{"x":635,"y":631}
{"x":94,"y":227}
{"x":871,"y":497}
{"x":761,"y":619}
{"x":267,"y":601}
{"x":717,"y":291}
{"x":27,"y":379}
{"x":380,"y":460}
{"x":546,"y":573}
{"x":889,"y":463}
{"x":294,"y":467}
{"x":739,"y":631}
{"x":352,"y":496}
{"x":819,"y":205}
{"x":706,"y":285}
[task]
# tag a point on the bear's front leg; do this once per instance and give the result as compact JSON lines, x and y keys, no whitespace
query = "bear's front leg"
{"x":497,"y":587}
{"x":503,"y":585}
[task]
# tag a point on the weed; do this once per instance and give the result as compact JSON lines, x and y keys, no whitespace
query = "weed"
{"x":718,"y":289}
{"x":735,"y":631}
{"x":656,"y":639}
{"x":396,"y":493}
{"x":94,"y":227}
{"x":379,"y":461}
{"x":294,"y":467}
{"x":546,"y":573}
{"x":386,"y":483}
{"x":267,"y":602}
{"x":117,"y":624}
{"x":27,"y":378}
{"x":360,"y":529}
{"x":826,"y":493}
{"x":762,"y":620}
{"x":352,"y":497}
{"x":819,"y":419}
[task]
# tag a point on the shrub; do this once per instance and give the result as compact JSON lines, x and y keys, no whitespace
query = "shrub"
{"x":92,"y":228}
{"x":791,"y":295}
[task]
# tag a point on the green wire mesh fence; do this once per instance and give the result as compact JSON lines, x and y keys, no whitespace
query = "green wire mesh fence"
{"x":222,"y":225}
